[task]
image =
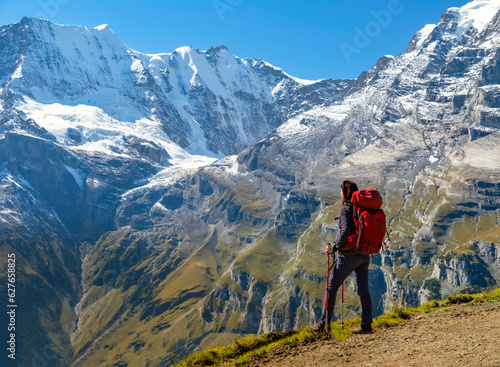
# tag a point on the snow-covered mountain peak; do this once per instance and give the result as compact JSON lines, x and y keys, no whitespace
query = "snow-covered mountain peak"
{"x":185,"y":51}
{"x":217,"y":49}
{"x":458,"y":22}
{"x":102,"y":27}
{"x":47,"y":29}
{"x":477,"y":14}
{"x":423,"y":34}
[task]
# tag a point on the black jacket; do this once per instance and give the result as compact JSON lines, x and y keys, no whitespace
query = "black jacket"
{"x":346,"y":225}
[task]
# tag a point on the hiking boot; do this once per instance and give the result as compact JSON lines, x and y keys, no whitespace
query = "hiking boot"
{"x":319,"y":327}
{"x":360,"y":330}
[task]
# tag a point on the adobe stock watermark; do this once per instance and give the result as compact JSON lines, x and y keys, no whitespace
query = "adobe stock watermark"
{"x":223,"y":6}
{"x":364,"y":36}
{"x":49,"y":8}
{"x":11,"y":306}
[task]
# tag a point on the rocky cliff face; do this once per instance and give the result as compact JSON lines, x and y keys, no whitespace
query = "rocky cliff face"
{"x":175,"y":256}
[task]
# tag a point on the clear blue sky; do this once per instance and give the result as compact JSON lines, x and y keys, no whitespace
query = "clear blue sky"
{"x":308,"y":39}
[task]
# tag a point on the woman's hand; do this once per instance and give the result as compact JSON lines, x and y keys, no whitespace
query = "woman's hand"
{"x":328,"y":249}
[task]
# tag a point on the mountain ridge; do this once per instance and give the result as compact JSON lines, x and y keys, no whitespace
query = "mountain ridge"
{"x":159,"y":88}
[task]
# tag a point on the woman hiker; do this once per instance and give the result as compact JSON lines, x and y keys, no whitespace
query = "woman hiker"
{"x":348,"y":261}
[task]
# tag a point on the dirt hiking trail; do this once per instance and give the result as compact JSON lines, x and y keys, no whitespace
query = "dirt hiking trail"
{"x":461,"y":335}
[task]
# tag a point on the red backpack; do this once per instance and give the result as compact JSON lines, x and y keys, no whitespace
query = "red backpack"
{"x":369,"y":219}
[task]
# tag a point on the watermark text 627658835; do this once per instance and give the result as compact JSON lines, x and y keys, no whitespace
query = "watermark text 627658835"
{"x":11,"y":305}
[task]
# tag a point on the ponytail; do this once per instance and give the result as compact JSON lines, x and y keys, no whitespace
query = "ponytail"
{"x":348,"y":189}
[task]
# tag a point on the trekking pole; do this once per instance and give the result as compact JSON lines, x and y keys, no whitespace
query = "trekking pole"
{"x":342,"y":305}
{"x":327,"y":323}
{"x":342,"y":314}
{"x":329,"y":269}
